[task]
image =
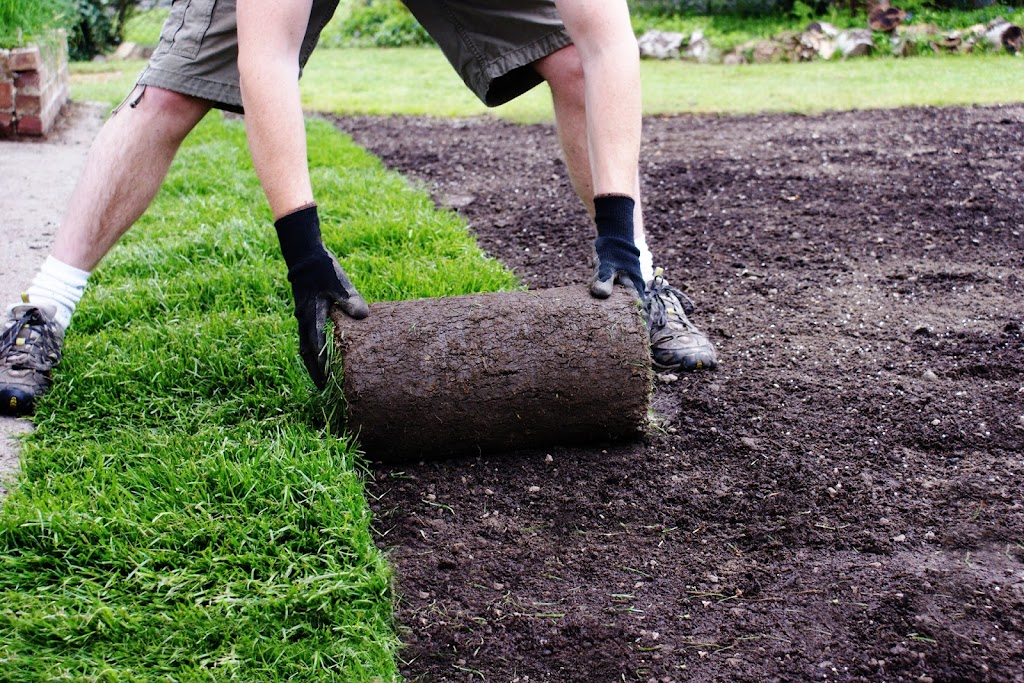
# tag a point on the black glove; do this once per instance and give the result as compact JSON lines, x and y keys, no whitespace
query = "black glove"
{"x":617,"y":258}
{"x":317,"y":282}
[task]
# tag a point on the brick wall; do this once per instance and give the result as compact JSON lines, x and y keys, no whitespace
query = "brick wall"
{"x":34,"y":87}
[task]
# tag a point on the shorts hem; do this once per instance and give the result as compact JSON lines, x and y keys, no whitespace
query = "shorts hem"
{"x":221,"y":95}
{"x":507,"y":77}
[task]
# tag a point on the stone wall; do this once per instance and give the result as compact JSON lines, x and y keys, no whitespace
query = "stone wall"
{"x":34,"y":87}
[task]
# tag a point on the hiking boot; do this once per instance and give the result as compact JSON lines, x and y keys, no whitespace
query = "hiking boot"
{"x":676,"y":343}
{"x":29,"y":348}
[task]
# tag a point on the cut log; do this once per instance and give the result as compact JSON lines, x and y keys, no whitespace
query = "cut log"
{"x":1002,"y":33}
{"x":885,"y":18}
{"x":494,"y":372}
{"x":855,"y":43}
{"x":660,"y":44}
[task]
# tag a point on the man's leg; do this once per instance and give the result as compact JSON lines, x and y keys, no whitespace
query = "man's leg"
{"x":610,"y":59}
{"x":123,"y":171}
{"x":126,"y":165}
{"x":676,"y":344}
{"x":563,"y":71}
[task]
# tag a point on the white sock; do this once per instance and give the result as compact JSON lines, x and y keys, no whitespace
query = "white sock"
{"x":58,"y":285}
{"x":646,"y":258}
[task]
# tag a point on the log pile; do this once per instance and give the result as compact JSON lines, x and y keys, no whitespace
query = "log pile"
{"x":821,"y":40}
{"x":494,"y":372}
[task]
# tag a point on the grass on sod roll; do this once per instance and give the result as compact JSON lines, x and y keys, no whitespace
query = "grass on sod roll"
{"x":181,"y":515}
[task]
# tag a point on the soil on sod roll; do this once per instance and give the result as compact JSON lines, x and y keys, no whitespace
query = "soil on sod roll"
{"x":842,"y":500}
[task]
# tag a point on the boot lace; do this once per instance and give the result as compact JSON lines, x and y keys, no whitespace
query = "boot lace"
{"x":667,"y":304}
{"x":39,"y":350}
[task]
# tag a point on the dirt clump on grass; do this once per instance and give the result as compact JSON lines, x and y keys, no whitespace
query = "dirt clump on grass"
{"x":841,"y":500}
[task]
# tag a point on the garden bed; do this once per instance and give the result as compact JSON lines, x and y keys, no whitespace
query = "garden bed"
{"x":841,"y":500}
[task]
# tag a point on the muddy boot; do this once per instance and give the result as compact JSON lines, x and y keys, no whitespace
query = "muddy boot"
{"x":676,"y":343}
{"x":29,"y":349}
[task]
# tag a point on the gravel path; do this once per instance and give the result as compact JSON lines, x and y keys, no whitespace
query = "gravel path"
{"x":38,"y":177}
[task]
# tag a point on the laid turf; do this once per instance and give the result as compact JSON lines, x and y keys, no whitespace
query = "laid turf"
{"x":185,"y":512}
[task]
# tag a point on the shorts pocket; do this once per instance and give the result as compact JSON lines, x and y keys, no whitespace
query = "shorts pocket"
{"x":186,"y":26}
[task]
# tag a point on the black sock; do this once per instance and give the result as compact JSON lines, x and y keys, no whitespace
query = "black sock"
{"x":613,"y":214}
{"x":309,"y":263}
{"x":615,"y":248}
{"x":298,"y":233}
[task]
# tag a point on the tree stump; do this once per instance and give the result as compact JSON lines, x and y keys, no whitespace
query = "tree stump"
{"x":494,"y":372}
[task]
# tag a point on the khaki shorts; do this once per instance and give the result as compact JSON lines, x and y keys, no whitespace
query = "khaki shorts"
{"x":493,"y":43}
{"x":198,"y":50}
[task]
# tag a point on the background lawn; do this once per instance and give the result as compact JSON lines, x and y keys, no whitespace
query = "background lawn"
{"x":419,"y":81}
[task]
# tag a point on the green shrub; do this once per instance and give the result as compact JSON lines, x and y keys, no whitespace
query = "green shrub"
{"x":952,"y":14}
{"x":22,"y":21}
{"x":100,"y":26}
{"x":799,"y":8}
{"x":376,"y":23}
{"x":741,"y":8}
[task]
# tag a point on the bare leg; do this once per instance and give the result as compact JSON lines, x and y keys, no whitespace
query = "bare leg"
{"x":611,"y":63}
{"x":563,"y":70}
{"x":270,"y":35}
{"x":126,"y":165}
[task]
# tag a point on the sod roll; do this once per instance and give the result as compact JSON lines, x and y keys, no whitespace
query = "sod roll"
{"x":494,"y":372}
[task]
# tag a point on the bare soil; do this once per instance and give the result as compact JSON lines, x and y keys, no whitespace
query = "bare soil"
{"x":841,"y":500}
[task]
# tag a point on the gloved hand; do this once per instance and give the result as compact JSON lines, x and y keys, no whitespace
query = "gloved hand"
{"x":616,"y":261}
{"x":616,"y":257}
{"x":317,"y":282}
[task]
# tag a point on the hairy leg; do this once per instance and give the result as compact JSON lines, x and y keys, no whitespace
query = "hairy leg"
{"x":607,"y":49}
{"x":125,"y":167}
{"x":563,"y":71}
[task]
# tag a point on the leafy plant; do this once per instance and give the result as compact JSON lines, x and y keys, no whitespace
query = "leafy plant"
{"x":740,"y":8}
{"x":100,"y":26}
{"x":802,"y":12}
{"x":22,"y":21}
{"x":376,"y":23}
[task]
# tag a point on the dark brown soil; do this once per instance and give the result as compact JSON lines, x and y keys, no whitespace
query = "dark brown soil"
{"x":841,"y":500}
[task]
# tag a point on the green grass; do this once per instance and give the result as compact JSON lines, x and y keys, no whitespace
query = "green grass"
{"x":24,"y":21}
{"x":144,"y":27}
{"x":821,"y":86}
{"x":420,"y":81}
{"x":184,"y":513}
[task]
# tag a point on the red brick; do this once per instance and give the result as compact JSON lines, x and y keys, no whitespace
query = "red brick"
{"x":31,"y":126}
{"x":35,"y":125}
{"x":28,"y":105}
{"x":25,"y":58}
{"x":41,"y":125}
{"x":29,"y":82}
{"x":6,"y":96}
{"x":6,"y":123}
{"x":5,"y":58}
